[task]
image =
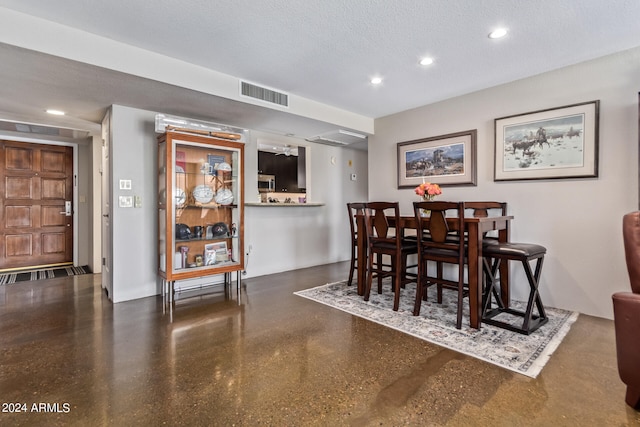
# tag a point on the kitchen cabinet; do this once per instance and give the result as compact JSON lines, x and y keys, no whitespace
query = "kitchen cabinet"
{"x":200,"y":208}
{"x":284,"y":168}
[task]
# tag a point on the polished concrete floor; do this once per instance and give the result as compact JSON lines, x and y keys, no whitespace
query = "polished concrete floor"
{"x":273,"y":359}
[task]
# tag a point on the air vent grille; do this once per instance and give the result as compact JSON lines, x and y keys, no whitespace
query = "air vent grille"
{"x":264,"y":94}
{"x":43,"y":130}
{"x":326,"y":141}
{"x":338,"y":138}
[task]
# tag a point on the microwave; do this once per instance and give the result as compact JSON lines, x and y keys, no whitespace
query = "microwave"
{"x":266,"y":183}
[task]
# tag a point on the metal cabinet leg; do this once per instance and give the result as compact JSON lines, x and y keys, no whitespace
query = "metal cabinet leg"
{"x":167,"y":295}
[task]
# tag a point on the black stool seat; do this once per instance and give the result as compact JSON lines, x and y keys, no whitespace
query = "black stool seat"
{"x":513,"y":250}
{"x":525,"y":253}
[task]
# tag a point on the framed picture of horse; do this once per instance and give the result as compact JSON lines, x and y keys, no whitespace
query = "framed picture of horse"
{"x":548,"y":144}
{"x":446,"y":160}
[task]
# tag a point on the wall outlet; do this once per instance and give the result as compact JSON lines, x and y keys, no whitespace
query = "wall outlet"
{"x":354,"y":177}
{"x":125,"y":201}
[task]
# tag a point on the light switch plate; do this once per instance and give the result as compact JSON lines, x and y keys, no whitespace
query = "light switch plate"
{"x":125,"y":184}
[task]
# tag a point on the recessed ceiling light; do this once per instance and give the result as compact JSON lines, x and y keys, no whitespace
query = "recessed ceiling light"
{"x":376,"y":80}
{"x":426,"y":61}
{"x":56,"y":112}
{"x":498,"y":33}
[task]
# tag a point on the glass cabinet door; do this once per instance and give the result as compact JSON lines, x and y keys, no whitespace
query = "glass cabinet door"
{"x":162,"y":207}
{"x":205,"y":207}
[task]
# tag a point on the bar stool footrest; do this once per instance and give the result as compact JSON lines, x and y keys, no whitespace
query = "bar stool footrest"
{"x":535,"y":322}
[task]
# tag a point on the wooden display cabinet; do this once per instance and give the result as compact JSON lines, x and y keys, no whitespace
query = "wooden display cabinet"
{"x":200,"y":207}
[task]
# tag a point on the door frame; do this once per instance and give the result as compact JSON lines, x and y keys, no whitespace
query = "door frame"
{"x":74,"y":145}
{"x":106,"y":211}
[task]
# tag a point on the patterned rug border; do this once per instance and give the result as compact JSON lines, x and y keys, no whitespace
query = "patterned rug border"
{"x":44,"y":273}
{"x":478,"y":344}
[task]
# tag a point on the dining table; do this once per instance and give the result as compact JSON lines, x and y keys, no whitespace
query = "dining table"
{"x":475,"y":229}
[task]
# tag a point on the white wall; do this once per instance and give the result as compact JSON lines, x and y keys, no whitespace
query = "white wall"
{"x":578,"y":220}
{"x":135,"y":231}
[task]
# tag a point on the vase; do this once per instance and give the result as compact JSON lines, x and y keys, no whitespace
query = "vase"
{"x":425,"y":213}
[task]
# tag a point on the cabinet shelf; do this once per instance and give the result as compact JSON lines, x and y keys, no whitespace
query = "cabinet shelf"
{"x":208,"y":206}
{"x":215,"y":239}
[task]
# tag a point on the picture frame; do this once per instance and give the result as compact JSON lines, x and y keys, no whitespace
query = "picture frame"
{"x":215,"y":253}
{"x":213,"y":161}
{"x":556,"y":143}
{"x":446,"y":160}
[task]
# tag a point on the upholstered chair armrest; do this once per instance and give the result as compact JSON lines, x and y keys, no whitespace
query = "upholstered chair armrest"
{"x":626,"y":313}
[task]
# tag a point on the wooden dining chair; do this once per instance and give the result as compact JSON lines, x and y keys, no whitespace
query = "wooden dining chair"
{"x":385,"y":237}
{"x":355,"y":209}
{"x":485,"y":209}
{"x":440,"y":240}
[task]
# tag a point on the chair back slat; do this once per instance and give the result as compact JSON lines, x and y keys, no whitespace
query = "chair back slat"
{"x":482,"y":208}
{"x":377,"y":218}
{"x":443,"y":229}
{"x":380,"y":224}
{"x":438,"y":226}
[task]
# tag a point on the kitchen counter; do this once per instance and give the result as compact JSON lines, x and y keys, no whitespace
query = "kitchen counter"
{"x":284,"y":205}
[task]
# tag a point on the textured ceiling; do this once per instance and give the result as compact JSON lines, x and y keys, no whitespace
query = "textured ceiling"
{"x":328,"y":50}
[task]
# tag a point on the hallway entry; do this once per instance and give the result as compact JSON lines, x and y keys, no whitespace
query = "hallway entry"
{"x":36,"y":211}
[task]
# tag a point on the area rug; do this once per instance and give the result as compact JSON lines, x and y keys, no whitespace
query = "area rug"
{"x":46,"y":273}
{"x":524,"y":354}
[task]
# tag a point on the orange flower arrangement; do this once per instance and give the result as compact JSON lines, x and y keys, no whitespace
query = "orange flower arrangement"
{"x":428,"y":191}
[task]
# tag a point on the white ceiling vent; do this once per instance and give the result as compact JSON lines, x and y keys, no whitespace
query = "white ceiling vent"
{"x":37,"y":129}
{"x":264,"y":94}
{"x":338,"y":138}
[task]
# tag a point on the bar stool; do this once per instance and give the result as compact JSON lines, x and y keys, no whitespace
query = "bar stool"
{"x":525,"y":253}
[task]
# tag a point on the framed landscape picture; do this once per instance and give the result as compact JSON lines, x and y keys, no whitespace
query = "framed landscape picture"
{"x":446,"y":160}
{"x":548,"y":144}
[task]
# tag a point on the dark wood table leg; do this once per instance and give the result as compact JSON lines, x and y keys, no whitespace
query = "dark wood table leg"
{"x":362,"y":254}
{"x":475,"y":274}
{"x":505,"y":293}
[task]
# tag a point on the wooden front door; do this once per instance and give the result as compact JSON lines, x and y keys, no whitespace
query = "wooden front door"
{"x":36,"y":212}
